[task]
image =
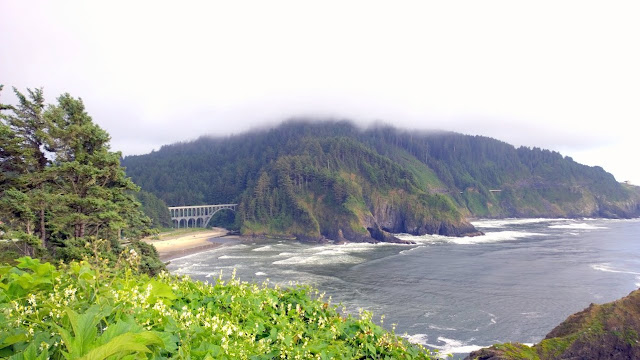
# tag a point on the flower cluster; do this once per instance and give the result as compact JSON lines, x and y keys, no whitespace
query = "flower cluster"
{"x":177,"y":317}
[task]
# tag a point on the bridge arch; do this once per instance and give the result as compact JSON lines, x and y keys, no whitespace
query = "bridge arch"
{"x":196,"y":216}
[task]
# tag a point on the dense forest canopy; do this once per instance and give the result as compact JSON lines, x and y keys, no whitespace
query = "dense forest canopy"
{"x":63,"y":193}
{"x":293,"y":175}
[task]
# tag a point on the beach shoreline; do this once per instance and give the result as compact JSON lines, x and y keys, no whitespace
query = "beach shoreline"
{"x":173,"y":247}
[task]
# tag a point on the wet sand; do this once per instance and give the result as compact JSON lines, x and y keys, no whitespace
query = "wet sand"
{"x":172,"y":247}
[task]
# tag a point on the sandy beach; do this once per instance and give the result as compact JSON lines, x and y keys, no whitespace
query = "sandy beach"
{"x":174,"y":246}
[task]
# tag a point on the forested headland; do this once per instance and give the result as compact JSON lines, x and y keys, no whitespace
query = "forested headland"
{"x":315,"y":179}
{"x":64,"y":197}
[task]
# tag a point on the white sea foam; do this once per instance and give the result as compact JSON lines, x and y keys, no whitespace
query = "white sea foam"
{"x":405,"y":252}
{"x":606,"y":267}
{"x":433,"y":327}
{"x":260,"y":273}
{"x":446,"y":346}
{"x":417,"y":338}
{"x":429,"y":313}
{"x":531,"y":315}
{"x":331,"y":252}
{"x":424,"y":239}
{"x":263,"y":248}
{"x":286,"y":253}
{"x":491,"y":237}
{"x":488,"y":237}
{"x":497,"y":224}
{"x":192,"y":273}
{"x":492,"y":317}
{"x":638,"y":281}
{"x":236,"y":246}
{"x":319,"y":260}
{"x":578,"y":226}
{"x":452,"y":346}
{"x":224,"y":257}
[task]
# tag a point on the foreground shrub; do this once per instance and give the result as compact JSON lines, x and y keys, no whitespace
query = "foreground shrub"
{"x":103,"y":310}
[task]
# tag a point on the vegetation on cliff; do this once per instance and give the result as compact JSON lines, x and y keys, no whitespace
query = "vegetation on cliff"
{"x":608,"y":331}
{"x":98,"y":310}
{"x":330,"y":178}
{"x":63,"y":193}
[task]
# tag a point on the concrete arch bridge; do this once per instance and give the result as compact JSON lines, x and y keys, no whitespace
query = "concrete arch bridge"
{"x":196,"y":216}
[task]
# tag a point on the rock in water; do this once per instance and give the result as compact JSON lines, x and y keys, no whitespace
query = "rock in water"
{"x":608,"y":331}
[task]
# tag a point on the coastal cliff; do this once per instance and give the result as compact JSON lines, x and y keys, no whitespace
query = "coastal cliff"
{"x":332,"y":180}
{"x":339,"y":189}
{"x":608,"y":331}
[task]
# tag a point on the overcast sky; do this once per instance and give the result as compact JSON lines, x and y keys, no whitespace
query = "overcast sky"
{"x":563,"y":75}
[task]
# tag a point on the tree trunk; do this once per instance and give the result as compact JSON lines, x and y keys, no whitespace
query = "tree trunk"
{"x":43,"y":230}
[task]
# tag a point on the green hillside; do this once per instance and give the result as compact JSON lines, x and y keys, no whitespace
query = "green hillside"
{"x":607,"y":331}
{"x":331,"y":179}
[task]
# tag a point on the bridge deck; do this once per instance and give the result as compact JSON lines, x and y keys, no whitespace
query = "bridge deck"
{"x":196,"y":215}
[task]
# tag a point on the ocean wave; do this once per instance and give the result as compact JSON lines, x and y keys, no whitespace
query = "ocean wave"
{"x":260,"y":273}
{"x":405,"y":252}
{"x":579,"y":226}
{"x":424,"y":239}
{"x":488,"y":237}
{"x":231,"y":247}
{"x":452,"y":346}
{"x":263,"y":248}
{"x":348,"y":248}
{"x":433,"y":327}
{"x":417,"y":339}
{"x":224,"y":257}
{"x":331,"y":252}
{"x":319,"y":260}
{"x":501,"y":223}
{"x":531,"y":315}
{"x":447,"y":346}
{"x":606,"y":267}
{"x":286,"y":253}
{"x":491,"y":237}
{"x":192,"y":273}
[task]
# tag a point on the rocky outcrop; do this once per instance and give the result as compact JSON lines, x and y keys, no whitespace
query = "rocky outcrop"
{"x":608,"y":331}
{"x":399,"y":219}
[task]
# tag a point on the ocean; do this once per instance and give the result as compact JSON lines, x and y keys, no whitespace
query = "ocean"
{"x":515,"y":283}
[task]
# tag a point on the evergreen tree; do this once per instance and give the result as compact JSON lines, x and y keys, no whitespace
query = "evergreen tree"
{"x":88,"y":177}
{"x":25,"y":139}
{"x":59,"y":173}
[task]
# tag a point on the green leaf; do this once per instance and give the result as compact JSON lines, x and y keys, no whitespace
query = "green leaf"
{"x":4,"y":269}
{"x":27,"y":262}
{"x":161,"y":290}
{"x":124,"y":344}
{"x":371,"y":348}
{"x":84,"y":328}
{"x":8,"y":340}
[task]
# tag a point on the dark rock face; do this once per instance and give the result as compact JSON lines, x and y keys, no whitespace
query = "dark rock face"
{"x":608,"y":331}
{"x":396,"y":220}
{"x":383,"y":222}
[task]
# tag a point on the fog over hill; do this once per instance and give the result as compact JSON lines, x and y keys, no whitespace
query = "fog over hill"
{"x":333,"y":179}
